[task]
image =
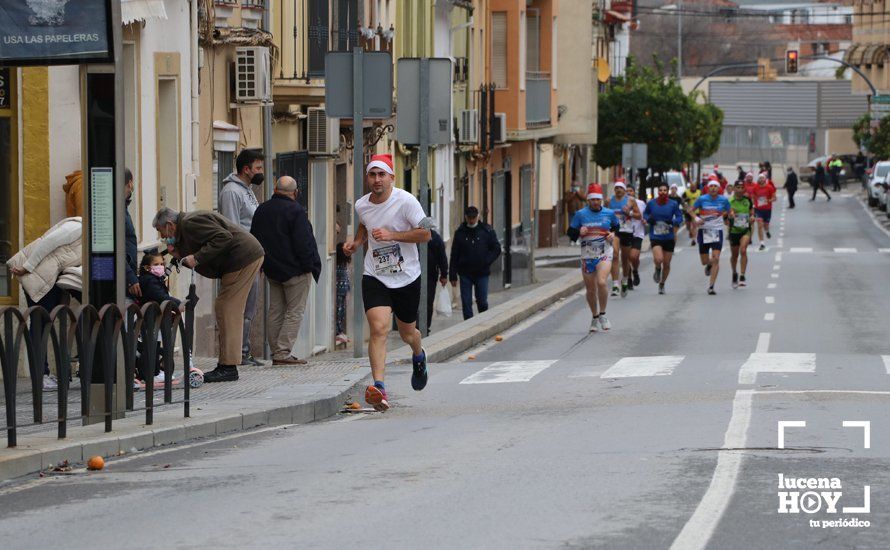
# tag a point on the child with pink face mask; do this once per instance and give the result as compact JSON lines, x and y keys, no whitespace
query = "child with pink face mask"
{"x":153,"y":281}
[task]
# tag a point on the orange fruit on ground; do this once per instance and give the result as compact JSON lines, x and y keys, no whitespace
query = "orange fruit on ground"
{"x":96,"y":463}
{"x":472,"y":357}
{"x":355,"y":406}
{"x":498,"y":338}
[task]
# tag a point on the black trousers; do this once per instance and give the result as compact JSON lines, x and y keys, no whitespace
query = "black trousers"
{"x":820,"y":187}
{"x":432,"y":286}
{"x":791,"y":192}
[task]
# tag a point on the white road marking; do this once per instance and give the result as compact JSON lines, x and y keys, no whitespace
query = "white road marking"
{"x":700,"y":527}
{"x":769,"y":317}
{"x":630,"y":367}
{"x":800,"y":249}
{"x":771,"y":286}
{"x":886,"y":359}
{"x":777,"y":267}
{"x":780,"y":443}
{"x":778,"y":257}
{"x":770,"y":299}
{"x":884,"y":250}
{"x":774,"y":275}
{"x":507,"y":371}
{"x":762,"y":343}
{"x":845,"y":250}
{"x":774,"y":363}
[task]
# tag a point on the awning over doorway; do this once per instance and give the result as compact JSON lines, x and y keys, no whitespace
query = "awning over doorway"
{"x":140,"y":10}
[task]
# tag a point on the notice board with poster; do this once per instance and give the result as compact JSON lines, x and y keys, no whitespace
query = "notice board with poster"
{"x":55,"y":32}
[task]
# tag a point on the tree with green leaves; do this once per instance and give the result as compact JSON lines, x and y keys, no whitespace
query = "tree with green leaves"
{"x":875,"y":140}
{"x":645,"y":107}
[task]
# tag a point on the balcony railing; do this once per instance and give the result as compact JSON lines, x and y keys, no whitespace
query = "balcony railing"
{"x":537,"y":99}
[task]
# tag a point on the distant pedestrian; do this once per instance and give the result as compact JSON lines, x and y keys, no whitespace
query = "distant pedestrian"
{"x":791,"y":186}
{"x":134,"y":289}
{"x":217,"y":249}
{"x":437,"y":272}
{"x":834,"y":169}
{"x":474,"y":248}
{"x":768,"y":168}
{"x":741,"y":174}
{"x":282,"y":226}
{"x":819,"y":181}
{"x":238,"y":203}
{"x":343,"y":288}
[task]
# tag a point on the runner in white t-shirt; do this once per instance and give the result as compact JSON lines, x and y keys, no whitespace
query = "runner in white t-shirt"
{"x":391,"y":223}
{"x":639,"y":227}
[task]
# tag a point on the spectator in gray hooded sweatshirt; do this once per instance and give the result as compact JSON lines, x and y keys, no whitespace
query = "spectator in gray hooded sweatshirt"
{"x":238,"y":203}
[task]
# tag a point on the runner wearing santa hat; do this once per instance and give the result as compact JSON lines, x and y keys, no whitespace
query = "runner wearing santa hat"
{"x":710,"y":211}
{"x":764,"y":195}
{"x":595,"y":226}
{"x":626,"y":211}
{"x":391,"y":223}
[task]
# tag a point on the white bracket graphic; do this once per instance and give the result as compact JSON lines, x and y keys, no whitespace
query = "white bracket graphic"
{"x":866,"y":503}
{"x":866,"y":430}
{"x":788,"y":424}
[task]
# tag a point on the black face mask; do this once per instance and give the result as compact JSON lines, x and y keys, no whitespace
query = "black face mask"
{"x":257,"y":179}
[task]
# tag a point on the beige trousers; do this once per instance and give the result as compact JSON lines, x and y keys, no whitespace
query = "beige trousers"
{"x":229,"y":307}
{"x":287,"y":302}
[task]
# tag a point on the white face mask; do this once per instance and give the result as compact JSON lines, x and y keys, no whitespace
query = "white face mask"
{"x":472,"y":224}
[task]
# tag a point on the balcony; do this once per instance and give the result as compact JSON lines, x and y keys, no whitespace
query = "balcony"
{"x":537,"y":100}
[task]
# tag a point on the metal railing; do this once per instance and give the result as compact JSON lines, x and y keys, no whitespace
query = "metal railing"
{"x":537,"y":99}
{"x":96,"y":335}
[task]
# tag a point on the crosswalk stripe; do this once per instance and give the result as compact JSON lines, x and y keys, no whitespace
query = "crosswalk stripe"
{"x":770,"y":299}
{"x":886,"y":359}
{"x":774,"y":363}
{"x":884,"y":250}
{"x":769,"y":316}
{"x":507,"y":371}
{"x":845,"y":250}
{"x":630,"y":367}
{"x":774,"y":275}
{"x":800,"y":249}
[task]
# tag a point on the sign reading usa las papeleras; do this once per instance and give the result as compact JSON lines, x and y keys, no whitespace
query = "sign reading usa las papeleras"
{"x":55,"y":32}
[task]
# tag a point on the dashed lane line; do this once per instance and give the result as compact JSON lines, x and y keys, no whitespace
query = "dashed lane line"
{"x":769,"y":316}
{"x":771,"y":286}
{"x":845,"y":250}
{"x":770,"y":299}
{"x":800,"y":249}
{"x":762,"y":345}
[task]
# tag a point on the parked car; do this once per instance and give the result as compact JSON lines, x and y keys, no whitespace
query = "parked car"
{"x":805,"y":173}
{"x":676,"y":178}
{"x":877,"y":183}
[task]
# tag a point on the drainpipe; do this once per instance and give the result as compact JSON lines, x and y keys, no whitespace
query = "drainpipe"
{"x":195,"y":123}
{"x":270,"y":183}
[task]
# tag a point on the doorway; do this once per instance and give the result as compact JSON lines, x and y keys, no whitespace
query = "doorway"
{"x":168,"y":145}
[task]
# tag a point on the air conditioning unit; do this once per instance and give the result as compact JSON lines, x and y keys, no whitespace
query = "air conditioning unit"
{"x":253,"y":69}
{"x":499,"y":128}
{"x":468,"y":131}
{"x":323,"y":133}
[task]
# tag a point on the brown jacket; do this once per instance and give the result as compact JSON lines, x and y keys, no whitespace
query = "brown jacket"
{"x":74,"y":194}
{"x":219,"y":245}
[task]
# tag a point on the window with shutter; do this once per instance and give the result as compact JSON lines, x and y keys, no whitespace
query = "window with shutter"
{"x":533,"y":41}
{"x":499,"y":48}
{"x":317,"y":36}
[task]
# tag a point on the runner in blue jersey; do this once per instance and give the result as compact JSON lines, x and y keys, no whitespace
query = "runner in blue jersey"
{"x":664,"y":218}
{"x":710,"y":212}
{"x":627,"y":212}
{"x":595,"y":226}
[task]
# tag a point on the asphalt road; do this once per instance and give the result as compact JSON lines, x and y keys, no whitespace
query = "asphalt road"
{"x":661,"y":433}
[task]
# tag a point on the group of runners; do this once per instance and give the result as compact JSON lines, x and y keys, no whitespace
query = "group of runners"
{"x":611,"y":233}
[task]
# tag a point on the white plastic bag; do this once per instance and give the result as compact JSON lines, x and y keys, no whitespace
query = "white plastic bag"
{"x":443,"y":302}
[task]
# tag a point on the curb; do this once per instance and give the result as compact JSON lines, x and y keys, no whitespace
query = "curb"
{"x":40,"y":452}
{"x":456,"y":339}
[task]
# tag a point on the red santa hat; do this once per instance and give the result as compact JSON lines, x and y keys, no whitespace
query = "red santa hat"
{"x":620,"y":183}
{"x":594,"y":191}
{"x":749,"y":176}
{"x":713,"y":182}
{"x":384,"y":162}
{"x":761,"y":176}
{"x":713,"y":177}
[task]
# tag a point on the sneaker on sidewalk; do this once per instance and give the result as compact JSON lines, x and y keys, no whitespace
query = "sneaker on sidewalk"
{"x":376,"y":397}
{"x":50,"y":383}
{"x":419,"y":376}
{"x":605,"y":324}
{"x":251,"y":361}
{"x":288,"y":361}
{"x":222,"y":373}
{"x":595,"y":324}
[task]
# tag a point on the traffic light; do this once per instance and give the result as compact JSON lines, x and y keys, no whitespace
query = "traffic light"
{"x":790,"y":61}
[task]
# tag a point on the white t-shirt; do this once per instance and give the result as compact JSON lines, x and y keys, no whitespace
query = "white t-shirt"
{"x":392,"y":263}
{"x":638,"y":225}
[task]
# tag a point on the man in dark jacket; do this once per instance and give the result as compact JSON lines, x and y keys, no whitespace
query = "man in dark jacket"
{"x":819,"y":181}
{"x":282,"y":226}
{"x":791,"y":186}
{"x":474,"y":248}
{"x":130,"y":252}
{"x":437,"y":272}
{"x":216,"y":248}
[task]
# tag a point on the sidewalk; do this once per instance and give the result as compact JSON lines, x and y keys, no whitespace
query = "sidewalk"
{"x":263,"y":395}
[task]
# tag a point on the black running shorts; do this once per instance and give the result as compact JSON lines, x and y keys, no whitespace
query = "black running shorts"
{"x":666,"y":246}
{"x":626,"y":239}
{"x":403,"y":301}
